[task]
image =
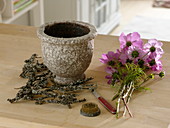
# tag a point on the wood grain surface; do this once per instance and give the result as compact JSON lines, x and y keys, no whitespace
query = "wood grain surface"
{"x":151,"y":109}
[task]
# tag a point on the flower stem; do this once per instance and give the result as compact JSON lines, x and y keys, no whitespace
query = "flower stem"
{"x":128,"y":90}
{"x":121,"y":90}
{"x":117,"y":108}
{"x":128,"y":99}
{"x":127,"y":95}
{"x":124,"y":101}
{"x":116,"y":96}
{"x":118,"y":101}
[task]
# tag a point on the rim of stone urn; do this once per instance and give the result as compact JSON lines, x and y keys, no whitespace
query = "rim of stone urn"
{"x":60,"y":40}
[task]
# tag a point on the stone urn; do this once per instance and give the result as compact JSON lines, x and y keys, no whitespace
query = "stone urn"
{"x":67,"y":49}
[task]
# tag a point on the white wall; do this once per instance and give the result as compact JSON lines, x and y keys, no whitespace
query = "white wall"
{"x":55,"y":10}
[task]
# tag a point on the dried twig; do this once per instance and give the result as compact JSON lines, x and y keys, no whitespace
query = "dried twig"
{"x":41,"y":87}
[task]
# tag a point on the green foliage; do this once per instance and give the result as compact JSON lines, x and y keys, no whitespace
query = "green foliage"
{"x":129,"y":73}
{"x":143,"y":89}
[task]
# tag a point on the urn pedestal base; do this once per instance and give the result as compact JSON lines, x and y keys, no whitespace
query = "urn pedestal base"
{"x":64,"y":80}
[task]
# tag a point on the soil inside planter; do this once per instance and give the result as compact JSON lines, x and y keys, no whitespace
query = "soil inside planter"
{"x":66,"y":30}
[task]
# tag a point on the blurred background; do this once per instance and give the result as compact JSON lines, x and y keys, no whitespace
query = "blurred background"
{"x":151,"y":18}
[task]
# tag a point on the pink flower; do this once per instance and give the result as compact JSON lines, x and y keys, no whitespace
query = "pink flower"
{"x":130,"y":39}
{"x":135,"y":52}
{"x":123,"y":57}
{"x":109,"y":77}
{"x":132,"y":51}
{"x":110,"y":70}
{"x":157,"y":66}
{"x":155,"y":56}
{"x":154,"y":47}
{"x":154,"y":63}
{"x":109,"y":58}
{"x":104,"y":59}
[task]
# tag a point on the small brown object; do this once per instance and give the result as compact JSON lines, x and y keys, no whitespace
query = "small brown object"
{"x":90,"y":110}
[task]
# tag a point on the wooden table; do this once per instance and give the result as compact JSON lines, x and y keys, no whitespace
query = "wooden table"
{"x":151,"y":109}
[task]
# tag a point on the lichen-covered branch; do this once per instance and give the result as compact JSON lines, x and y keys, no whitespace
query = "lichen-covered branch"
{"x":42,"y":89}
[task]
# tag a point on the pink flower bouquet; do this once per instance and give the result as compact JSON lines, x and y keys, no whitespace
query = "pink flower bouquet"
{"x":128,"y":67}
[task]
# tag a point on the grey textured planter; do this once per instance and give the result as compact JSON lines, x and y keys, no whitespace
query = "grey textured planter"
{"x":67,"y":48}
